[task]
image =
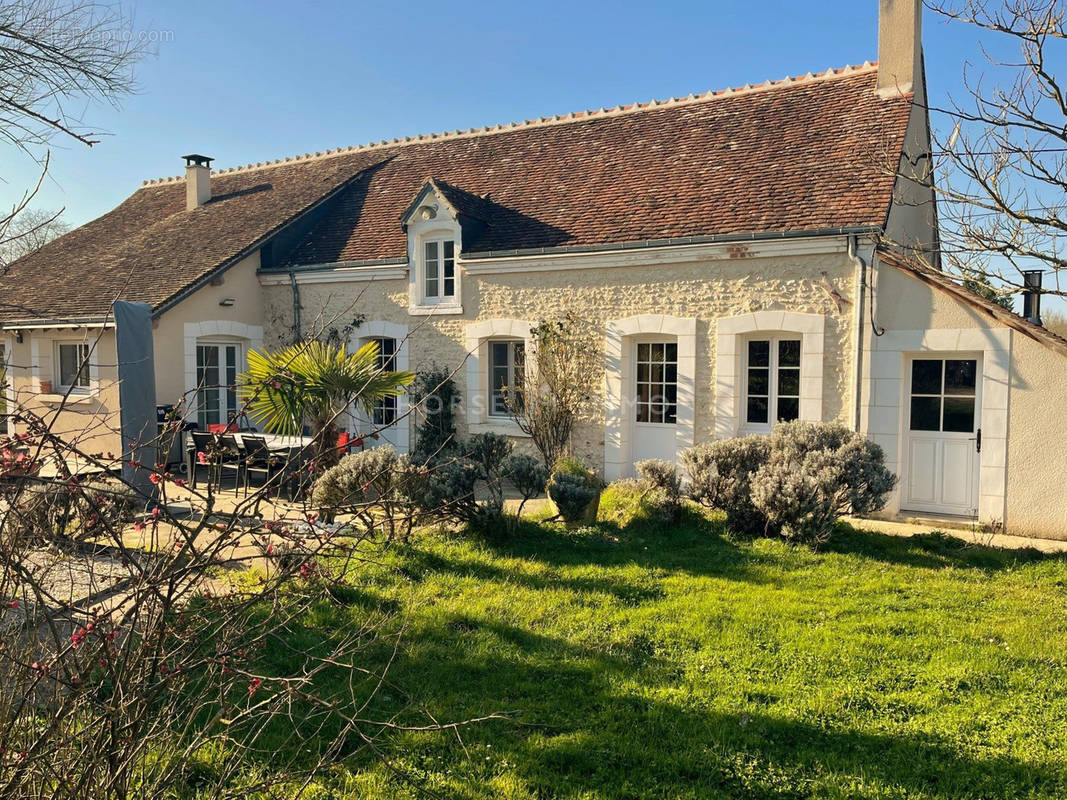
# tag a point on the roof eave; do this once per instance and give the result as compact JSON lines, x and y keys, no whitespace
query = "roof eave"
{"x":846,"y":230}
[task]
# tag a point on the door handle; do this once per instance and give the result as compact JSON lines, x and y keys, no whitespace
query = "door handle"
{"x":978,"y":441}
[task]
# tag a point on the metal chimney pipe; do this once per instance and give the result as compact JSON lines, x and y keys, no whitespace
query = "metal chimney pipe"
{"x":1032,"y":296}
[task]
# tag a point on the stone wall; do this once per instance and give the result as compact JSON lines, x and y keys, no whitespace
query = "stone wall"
{"x":705,"y":290}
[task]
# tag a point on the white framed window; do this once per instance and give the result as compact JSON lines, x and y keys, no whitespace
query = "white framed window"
{"x":384,"y":411}
{"x":72,"y":367}
{"x":217,"y":366}
{"x":771,"y":381}
{"x":656,"y":372}
{"x":507,"y":367}
{"x":439,"y":270}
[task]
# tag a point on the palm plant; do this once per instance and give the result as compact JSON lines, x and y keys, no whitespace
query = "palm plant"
{"x":312,"y":383}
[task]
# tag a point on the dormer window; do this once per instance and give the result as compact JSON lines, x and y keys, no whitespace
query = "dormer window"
{"x":439,"y":270}
{"x":435,"y":249}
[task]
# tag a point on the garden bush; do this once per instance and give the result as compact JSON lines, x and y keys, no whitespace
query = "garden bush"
{"x":720,"y":476}
{"x":435,"y":396}
{"x":795,"y":482}
{"x":575,"y":490}
{"x":527,"y":474}
{"x":450,"y":488}
{"x":654,"y":498}
{"x":817,"y":472}
{"x":376,"y":477}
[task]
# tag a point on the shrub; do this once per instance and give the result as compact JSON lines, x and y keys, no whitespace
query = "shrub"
{"x":448,"y":491}
{"x":572,"y":495}
{"x":815,"y":473}
{"x":662,"y":485}
{"x":450,"y":487}
{"x":795,"y":482}
{"x":488,"y":451}
{"x":571,"y":466}
{"x":720,"y":476}
{"x":575,"y":489}
{"x":375,"y":477}
{"x":527,"y":474}
{"x":628,"y":501}
{"x":435,"y":395}
{"x":354,"y":480}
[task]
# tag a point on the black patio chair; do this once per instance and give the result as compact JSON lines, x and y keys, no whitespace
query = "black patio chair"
{"x":202,"y":442}
{"x":261,"y":460}
{"x":230,"y":459}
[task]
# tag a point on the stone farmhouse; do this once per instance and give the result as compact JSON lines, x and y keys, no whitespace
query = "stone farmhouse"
{"x":746,"y":256}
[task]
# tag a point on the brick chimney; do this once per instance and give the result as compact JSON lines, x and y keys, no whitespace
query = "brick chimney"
{"x":197,"y":180}
{"x":899,"y":47}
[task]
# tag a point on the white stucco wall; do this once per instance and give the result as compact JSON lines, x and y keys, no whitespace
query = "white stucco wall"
{"x":1024,"y":449}
{"x":175,"y":342}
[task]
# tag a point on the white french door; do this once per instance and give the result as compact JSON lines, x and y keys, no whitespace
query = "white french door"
{"x":217,"y":366}
{"x":654,"y":409}
{"x":943,"y":437}
{"x":385,"y":414}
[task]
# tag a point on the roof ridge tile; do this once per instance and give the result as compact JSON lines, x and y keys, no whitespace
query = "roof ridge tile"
{"x":573,"y":116}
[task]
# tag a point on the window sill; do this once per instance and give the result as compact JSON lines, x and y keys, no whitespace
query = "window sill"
{"x":502,"y":426}
{"x":435,"y":309}
{"x":758,"y":430}
{"x":72,"y":398}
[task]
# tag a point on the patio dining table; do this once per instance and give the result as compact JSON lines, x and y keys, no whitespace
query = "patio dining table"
{"x":275,"y":441}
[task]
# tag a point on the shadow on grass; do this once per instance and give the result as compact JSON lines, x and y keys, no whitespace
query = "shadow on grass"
{"x":696,"y":545}
{"x":579,"y":732}
{"x":930,"y":550}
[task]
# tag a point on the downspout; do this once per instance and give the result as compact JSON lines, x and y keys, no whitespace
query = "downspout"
{"x":296,"y":306}
{"x":861,"y":273}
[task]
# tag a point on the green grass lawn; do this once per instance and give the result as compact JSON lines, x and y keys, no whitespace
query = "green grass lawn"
{"x":682,"y":664}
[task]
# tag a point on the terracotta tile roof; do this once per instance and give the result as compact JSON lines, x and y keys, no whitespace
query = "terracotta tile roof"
{"x":791,"y":157}
{"x":149,"y":248}
{"x":795,"y":155}
{"x":946,"y":284}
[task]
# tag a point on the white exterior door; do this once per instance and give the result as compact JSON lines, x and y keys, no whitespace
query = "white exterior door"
{"x":654,"y":406}
{"x":942,"y":435}
{"x":217,"y":366}
{"x":384,"y":416}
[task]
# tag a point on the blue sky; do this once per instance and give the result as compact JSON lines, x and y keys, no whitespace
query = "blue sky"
{"x":246,"y":82}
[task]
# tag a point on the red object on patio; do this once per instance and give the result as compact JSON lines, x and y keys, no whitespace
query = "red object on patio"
{"x":342,"y":442}
{"x":222,"y":427}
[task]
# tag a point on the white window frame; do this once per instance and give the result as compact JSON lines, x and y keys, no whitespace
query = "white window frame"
{"x":433,"y":221}
{"x":773,"y":394}
{"x":63,"y":388}
{"x":730,"y":376}
{"x":510,"y":366}
{"x":439,"y":296}
{"x":477,"y":401}
{"x":239,"y":362}
{"x":655,"y":399}
{"x":387,"y":405}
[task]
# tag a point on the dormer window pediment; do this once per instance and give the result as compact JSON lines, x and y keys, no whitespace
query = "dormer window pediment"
{"x":435,"y":238}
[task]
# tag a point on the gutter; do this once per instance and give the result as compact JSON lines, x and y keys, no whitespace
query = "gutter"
{"x":297,"y":334}
{"x":72,"y":322}
{"x":861,"y":273}
{"x":674,"y":242}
